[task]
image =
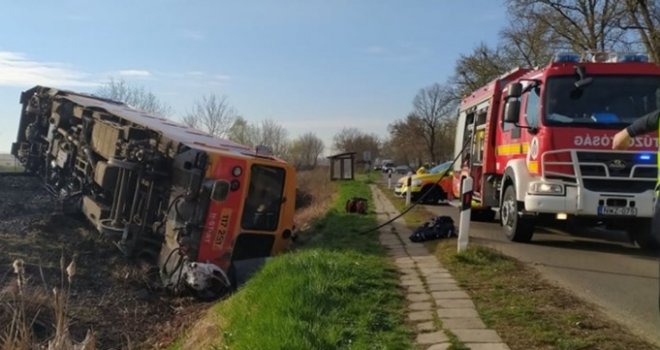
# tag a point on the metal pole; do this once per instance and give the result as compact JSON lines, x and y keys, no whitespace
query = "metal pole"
{"x":408,"y":190}
{"x":464,"y":219}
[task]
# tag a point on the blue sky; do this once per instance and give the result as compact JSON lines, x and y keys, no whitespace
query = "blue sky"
{"x":311,"y":65}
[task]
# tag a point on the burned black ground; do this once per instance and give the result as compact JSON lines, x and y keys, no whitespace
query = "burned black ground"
{"x":119,"y":298}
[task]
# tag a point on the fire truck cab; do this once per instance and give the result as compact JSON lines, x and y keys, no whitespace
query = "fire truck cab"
{"x":538,"y":145}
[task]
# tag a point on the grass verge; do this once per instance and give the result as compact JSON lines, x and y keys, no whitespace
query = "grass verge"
{"x":512,"y":298}
{"x":337,"y":290}
{"x":528,"y":312}
{"x":415,"y":217}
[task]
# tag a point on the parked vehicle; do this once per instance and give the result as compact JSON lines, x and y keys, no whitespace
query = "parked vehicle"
{"x":387,"y":166}
{"x":437,"y":180}
{"x":540,"y":145}
{"x":402,"y":169}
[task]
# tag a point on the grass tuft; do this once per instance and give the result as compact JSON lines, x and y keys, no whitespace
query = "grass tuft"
{"x":316,"y":299}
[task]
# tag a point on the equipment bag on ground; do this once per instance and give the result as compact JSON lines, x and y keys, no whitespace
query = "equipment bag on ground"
{"x":436,"y":228}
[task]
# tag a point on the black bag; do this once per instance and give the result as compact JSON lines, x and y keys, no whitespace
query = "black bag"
{"x":437,"y":228}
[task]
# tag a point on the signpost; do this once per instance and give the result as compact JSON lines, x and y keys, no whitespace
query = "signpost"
{"x":389,"y":179}
{"x":464,"y":219}
{"x":408,"y":190}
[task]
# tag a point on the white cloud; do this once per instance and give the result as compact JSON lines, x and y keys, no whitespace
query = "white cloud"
{"x":134,"y":73}
{"x":400,"y":52}
{"x":374,"y":50}
{"x":192,"y":34}
{"x":77,"y":18}
{"x":221,"y":77}
{"x":16,"y":69}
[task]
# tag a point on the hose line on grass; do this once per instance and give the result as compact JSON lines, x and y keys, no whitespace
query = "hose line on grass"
{"x":421,"y":198}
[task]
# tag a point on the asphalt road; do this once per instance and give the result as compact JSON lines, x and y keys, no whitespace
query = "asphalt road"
{"x":599,"y":266}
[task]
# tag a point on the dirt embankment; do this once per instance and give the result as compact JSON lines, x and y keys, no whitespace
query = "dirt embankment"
{"x":119,"y":299}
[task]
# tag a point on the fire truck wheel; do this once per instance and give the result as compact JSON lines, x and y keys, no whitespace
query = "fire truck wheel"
{"x":516,"y":228}
{"x":642,"y":234}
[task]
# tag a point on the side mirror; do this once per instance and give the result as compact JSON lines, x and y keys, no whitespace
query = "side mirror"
{"x":512,"y":111}
{"x":514,"y":91}
{"x":220,"y":190}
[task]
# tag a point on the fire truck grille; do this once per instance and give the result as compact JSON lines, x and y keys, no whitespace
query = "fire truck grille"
{"x":617,"y":165}
{"x":617,"y":172}
{"x":608,"y":185}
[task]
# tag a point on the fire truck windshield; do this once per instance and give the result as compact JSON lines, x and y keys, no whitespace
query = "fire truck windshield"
{"x":608,"y":102}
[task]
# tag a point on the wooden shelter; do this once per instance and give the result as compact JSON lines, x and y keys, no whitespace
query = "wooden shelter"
{"x":342,"y":166}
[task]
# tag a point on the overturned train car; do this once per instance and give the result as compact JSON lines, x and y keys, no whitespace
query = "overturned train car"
{"x":202,"y":207}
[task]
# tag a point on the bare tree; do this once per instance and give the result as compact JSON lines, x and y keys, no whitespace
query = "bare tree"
{"x":136,"y":97}
{"x":404,"y":145}
{"x":306,"y":150}
{"x":212,"y":114}
{"x":274,"y":135}
{"x":584,"y":25}
{"x":354,"y":140}
{"x":435,"y":106}
{"x":476,"y":69}
{"x":243,"y":132}
{"x":644,"y":17}
{"x":526,"y":42}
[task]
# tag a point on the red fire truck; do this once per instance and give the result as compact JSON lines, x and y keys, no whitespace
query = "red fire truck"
{"x":539,"y":145}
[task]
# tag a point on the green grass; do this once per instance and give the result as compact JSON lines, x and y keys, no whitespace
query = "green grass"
{"x":337,"y":290}
{"x":317,"y":299}
{"x":528,"y":312}
{"x":415,"y":217}
{"x":512,"y":298}
{"x":11,"y":168}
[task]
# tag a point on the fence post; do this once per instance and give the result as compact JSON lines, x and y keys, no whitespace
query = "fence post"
{"x":389,"y":179}
{"x":408,"y":190}
{"x":464,"y":219}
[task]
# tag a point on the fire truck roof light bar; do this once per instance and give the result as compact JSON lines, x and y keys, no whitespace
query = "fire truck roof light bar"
{"x":610,"y":57}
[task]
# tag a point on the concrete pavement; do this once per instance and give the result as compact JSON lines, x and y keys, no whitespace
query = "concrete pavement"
{"x":436,"y":304}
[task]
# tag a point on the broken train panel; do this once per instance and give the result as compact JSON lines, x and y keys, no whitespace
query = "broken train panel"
{"x":201,"y":206}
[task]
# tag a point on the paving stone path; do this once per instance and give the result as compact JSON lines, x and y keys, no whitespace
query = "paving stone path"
{"x":435,"y":302}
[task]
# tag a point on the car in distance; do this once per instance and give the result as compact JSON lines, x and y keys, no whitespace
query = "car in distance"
{"x":403,"y":170}
{"x":387,"y":166}
{"x":438,"y":181}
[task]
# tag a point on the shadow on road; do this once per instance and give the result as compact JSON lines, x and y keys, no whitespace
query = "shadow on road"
{"x":596,"y":239}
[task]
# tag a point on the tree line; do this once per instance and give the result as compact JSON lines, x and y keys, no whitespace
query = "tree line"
{"x":535,"y":30}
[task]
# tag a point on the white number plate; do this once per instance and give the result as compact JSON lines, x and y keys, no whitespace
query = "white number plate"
{"x":617,"y":211}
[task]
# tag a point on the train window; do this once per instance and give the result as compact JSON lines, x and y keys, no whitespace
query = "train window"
{"x":220,"y":190}
{"x":264,"y":199}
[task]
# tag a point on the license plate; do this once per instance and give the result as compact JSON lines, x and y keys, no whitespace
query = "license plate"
{"x":617,"y":211}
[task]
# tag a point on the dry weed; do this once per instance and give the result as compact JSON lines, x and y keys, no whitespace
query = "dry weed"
{"x":32,"y":317}
{"x":317,"y":191}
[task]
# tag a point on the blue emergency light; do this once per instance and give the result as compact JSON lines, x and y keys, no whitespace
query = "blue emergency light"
{"x":644,"y":157}
{"x":605,"y":118}
{"x":566,"y":57}
{"x":634,"y":58}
